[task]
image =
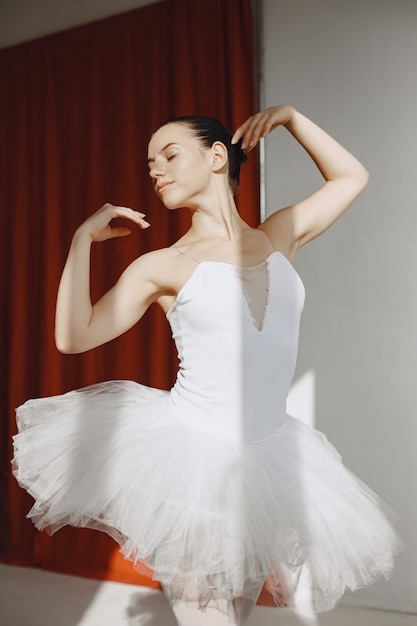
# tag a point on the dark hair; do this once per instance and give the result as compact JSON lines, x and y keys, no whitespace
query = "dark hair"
{"x":209,"y":130}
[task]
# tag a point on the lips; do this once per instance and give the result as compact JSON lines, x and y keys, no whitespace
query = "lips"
{"x":162,"y":186}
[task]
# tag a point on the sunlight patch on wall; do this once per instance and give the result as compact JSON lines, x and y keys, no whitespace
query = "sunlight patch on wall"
{"x":301,"y":402}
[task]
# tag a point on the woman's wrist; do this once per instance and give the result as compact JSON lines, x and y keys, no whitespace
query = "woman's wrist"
{"x":291,"y":115}
{"x":82,"y":236}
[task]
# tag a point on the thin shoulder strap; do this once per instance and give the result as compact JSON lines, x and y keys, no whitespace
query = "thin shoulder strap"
{"x":187,"y":255}
{"x":269,"y":240}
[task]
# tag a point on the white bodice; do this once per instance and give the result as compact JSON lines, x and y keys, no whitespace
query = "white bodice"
{"x":237,"y":346}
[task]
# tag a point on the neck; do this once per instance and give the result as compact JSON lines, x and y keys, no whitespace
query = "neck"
{"x":217,"y":217}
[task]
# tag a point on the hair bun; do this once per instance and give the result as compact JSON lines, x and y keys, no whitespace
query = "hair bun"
{"x":240,"y":154}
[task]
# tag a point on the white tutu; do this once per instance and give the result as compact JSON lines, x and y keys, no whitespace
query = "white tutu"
{"x":211,"y":516}
{"x":211,"y":484}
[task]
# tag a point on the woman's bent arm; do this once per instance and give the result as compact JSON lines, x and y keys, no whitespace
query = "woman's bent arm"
{"x":80,"y":325}
{"x":345,"y":176}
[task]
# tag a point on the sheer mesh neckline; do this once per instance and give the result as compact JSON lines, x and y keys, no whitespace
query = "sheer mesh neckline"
{"x":254,"y":282}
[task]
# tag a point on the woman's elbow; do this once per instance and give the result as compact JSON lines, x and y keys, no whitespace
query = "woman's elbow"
{"x":363,"y":177}
{"x":67,"y":346}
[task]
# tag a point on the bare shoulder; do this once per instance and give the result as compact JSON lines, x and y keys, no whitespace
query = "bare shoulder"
{"x":162,"y":273}
{"x":279,"y":229}
{"x":168,"y":269}
{"x":155,"y":258}
{"x":154,"y":266}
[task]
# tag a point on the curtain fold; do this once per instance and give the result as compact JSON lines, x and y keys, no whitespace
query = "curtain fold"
{"x":77,"y":109}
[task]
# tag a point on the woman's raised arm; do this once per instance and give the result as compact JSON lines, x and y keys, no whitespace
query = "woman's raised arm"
{"x":79,"y":325}
{"x":345,"y":176}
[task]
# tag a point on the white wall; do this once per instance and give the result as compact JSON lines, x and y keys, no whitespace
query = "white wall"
{"x":352,"y":67}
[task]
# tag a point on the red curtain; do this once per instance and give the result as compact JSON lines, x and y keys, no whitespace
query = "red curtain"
{"x":76,"y":112}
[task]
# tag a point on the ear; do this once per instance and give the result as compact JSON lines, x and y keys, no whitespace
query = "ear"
{"x":219,"y":156}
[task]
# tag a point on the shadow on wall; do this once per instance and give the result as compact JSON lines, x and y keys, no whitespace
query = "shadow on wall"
{"x":301,"y":401}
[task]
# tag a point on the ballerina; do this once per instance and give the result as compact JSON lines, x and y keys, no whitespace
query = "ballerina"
{"x":240,"y":491}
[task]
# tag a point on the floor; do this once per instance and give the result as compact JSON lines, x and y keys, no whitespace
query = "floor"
{"x":30,"y":597}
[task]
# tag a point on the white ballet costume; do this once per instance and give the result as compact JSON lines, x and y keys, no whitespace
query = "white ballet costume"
{"x":211,"y":484}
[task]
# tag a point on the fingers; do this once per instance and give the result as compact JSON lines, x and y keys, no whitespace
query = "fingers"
{"x":119,"y":232}
{"x":251,"y":131}
{"x":244,"y":133}
{"x":141,"y":221}
{"x":125,"y":212}
{"x":238,"y":133}
{"x":99,"y":225}
{"x":260,"y":125}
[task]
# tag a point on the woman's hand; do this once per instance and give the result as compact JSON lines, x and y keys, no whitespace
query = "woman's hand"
{"x":261,"y":124}
{"x":98,"y":226}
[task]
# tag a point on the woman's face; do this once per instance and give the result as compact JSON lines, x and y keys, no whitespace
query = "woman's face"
{"x":179,"y":166}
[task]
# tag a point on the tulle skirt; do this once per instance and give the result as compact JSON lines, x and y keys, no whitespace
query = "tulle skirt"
{"x":212,"y":517}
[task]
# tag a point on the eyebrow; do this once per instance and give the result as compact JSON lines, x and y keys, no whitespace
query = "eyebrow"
{"x":172,"y":143}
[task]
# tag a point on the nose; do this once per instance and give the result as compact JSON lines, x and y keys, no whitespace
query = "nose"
{"x":155,"y":170}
